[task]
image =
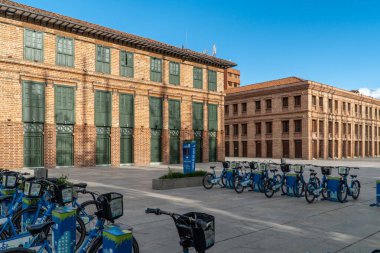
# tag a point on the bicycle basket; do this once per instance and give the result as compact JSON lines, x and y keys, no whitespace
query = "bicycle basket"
{"x":326,"y":171}
{"x":343,"y":171}
{"x":285,"y":168}
{"x":263,"y":166}
{"x":112,"y":205}
{"x":10,"y":180}
{"x":226,"y":165}
{"x":32,"y":189}
{"x":298,"y":168}
{"x":63,"y":194}
{"x":253,"y":165}
{"x":203,"y":237}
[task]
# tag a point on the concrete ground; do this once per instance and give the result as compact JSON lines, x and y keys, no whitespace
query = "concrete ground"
{"x":247,"y":222}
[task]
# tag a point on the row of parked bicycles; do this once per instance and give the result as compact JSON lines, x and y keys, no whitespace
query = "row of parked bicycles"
{"x":269,"y":177}
{"x":28,"y":204}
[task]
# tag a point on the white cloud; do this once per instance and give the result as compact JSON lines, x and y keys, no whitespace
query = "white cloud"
{"x":369,"y":92}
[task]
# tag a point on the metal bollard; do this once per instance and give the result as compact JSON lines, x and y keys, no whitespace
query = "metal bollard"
{"x":116,"y":240}
{"x":64,"y":230}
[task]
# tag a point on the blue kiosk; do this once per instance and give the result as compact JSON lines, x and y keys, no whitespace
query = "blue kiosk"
{"x":188,"y":154}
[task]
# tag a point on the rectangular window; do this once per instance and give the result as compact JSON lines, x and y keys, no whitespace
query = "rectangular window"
{"x":174,"y":114}
{"x":197,"y":78}
{"x":314,"y":126}
{"x":174,"y":73}
{"x":103,"y":59}
{"x":126,"y":64}
{"x":321,"y":103}
{"x":268,"y":104}
{"x":212,"y":117}
{"x":258,"y":105}
{"x":211,"y":80}
{"x":155,"y":69}
{"x":244,"y":129}
{"x":103,"y":108}
{"x":285,"y":102}
{"x":321,"y":127}
{"x":227,"y":148}
{"x":227,"y":130}
{"x":226,"y":109}
{"x":33,"y":102}
{"x":236,"y":130}
{"x":314,"y":101}
{"x":197,"y":116}
{"x":285,"y":126}
{"x":297,"y":101}
{"x":298,"y":126}
{"x":336,"y":106}
{"x":235,"y":108}
{"x":268,"y":127}
{"x":258,"y":128}
{"x":330,"y":105}
{"x":244,"y":108}
{"x":298,"y":148}
{"x":64,"y":104}
{"x":330,"y":127}
{"x":33,"y":45}
{"x":65,"y":51}
{"x":155,"y":113}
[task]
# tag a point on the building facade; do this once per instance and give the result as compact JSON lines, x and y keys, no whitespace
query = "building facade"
{"x":78,"y":94}
{"x":297,"y":118}
{"x":232,"y":78}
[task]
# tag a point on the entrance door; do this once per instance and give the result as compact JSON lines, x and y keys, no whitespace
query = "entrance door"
{"x":33,"y":150}
{"x":103,"y":147}
{"x":174,"y":146}
{"x":315,"y":150}
{"x":212,"y":147}
{"x":126,"y":145}
{"x":285,"y":149}
{"x":269,"y":149}
{"x":236,"y":149}
{"x":227,"y":148}
{"x":245,"y":148}
{"x":198,"y":146}
{"x":155,"y":146}
{"x":258,"y":148}
{"x":65,"y":149}
{"x":321,"y":149}
{"x":330,"y":149}
{"x":298,"y":148}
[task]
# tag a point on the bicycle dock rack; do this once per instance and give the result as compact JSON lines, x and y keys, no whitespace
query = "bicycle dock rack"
{"x":27,"y":203}
{"x":64,"y":229}
{"x":229,"y":178}
{"x":5,"y":204}
{"x":116,"y":240}
{"x":377,"y":194}
{"x":333,"y":188}
{"x":290,"y":181}
{"x":257,"y":180}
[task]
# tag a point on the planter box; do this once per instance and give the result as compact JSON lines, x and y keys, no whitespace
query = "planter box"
{"x":166,"y":184}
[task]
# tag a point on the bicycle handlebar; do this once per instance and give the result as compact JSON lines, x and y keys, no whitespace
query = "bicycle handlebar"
{"x":158,"y":211}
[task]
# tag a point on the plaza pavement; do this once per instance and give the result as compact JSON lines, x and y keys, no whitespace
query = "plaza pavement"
{"x":247,"y":222}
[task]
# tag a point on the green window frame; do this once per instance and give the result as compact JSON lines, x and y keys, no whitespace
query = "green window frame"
{"x":65,"y":51}
{"x":155,"y":69}
{"x":33,"y":102}
{"x":197,"y":116}
{"x":197,"y":78}
{"x":33,"y":45}
{"x":103,"y":108}
{"x":126,"y":64}
{"x":174,"y":114}
{"x":212,"y":80}
{"x":155,"y":113}
{"x":103,"y":59}
{"x":212,"y":117}
{"x":126,"y":110}
{"x":174,"y":73}
{"x":64,"y":103}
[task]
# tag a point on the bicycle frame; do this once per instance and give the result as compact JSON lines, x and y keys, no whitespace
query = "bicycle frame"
{"x":217,"y":179}
{"x":93,"y":234}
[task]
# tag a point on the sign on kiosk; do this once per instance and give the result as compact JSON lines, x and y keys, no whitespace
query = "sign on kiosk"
{"x":188,"y":154}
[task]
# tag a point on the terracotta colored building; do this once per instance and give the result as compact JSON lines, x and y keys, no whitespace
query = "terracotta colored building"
{"x":79,"y":94}
{"x":232,"y":78}
{"x":298,"y":118}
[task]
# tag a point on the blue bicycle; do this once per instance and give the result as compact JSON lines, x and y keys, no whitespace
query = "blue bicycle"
{"x":277,"y":181}
{"x":244,"y":179}
{"x":195,"y":230}
{"x":345,"y":188}
{"x":315,"y":187}
{"x":300,"y":183}
{"x":110,"y":208}
{"x":211,"y":179}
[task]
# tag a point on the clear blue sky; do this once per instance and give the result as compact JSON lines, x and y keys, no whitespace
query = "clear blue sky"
{"x":331,"y":41}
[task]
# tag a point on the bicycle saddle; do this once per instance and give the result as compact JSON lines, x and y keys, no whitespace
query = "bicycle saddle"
{"x":6,"y":197}
{"x":353,"y":176}
{"x":80,"y":185}
{"x":212,"y":167}
{"x":38,"y":228}
{"x":274,"y":170}
{"x":313,"y":173}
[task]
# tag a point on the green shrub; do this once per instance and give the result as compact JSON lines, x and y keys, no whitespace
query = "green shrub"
{"x":173,"y":175}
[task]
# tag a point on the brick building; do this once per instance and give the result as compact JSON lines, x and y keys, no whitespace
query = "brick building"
{"x":231,"y":78}
{"x":75,"y":93}
{"x":297,"y":118}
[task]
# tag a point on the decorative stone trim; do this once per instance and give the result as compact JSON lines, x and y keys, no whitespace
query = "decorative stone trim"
{"x":103,"y":130}
{"x":65,"y":129}
{"x":33,"y":128}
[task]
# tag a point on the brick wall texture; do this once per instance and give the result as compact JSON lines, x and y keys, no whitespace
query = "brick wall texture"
{"x":14,"y":70}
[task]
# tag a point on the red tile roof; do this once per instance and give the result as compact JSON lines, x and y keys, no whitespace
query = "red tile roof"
{"x":263,"y":85}
{"x":17,"y":11}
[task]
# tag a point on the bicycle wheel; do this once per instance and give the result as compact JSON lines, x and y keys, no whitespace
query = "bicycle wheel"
{"x":269,"y":188}
{"x":260,"y":184}
{"x":284,"y":187}
{"x":222,"y":180}
{"x":355,"y":189}
{"x":86,"y":212}
{"x":309,"y":192}
{"x":206,"y":181}
{"x":97,"y":246}
{"x":342,"y":192}
{"x":298,"y":188}
{"x":17,"y":250}
{"x":239,"y":188}
{"x":325,"y":192}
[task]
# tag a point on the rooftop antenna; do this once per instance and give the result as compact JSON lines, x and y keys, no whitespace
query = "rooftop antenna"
{"x":214,"y":50}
